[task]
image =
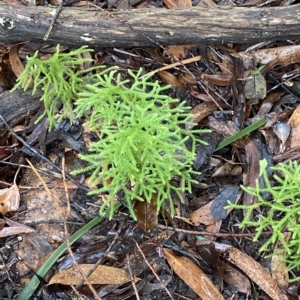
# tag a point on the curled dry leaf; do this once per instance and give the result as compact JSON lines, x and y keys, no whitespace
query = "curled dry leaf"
{"x":102,"y":275}
{"x":193,"y":276}
{"x":14,"y":59}
{"x":9,"y":199}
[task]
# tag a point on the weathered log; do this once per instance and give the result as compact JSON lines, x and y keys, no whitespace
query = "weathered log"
{"x":15,"y":106}
{"x":89,"y":26}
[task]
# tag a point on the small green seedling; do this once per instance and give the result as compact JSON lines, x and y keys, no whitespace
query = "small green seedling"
{"x":142,"y":140}
{"x":282,"y":209}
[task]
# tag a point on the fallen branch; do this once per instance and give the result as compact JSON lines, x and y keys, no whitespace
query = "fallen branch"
{"x":89,"y":26}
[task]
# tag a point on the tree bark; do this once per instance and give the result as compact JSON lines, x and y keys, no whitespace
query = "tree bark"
{"x":89,"y":26}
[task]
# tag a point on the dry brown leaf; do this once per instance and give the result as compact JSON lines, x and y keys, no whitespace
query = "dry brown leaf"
{"x":282,"y":131}
{"x":226,"y":128}
{"x":146,"y":214}
{"x":228,"y":169}
{"x":175,"y":64}
{"x":32,"y":249}
{"x":294,"y":122}
{"x":169,"y":78}
{"x":236,"y":279}
{"x":179,"y":51}
{"x":201,"y":96}
{"x":202,"y":215}
{"x":202,"y":110}
{"x":9,"y":199}
{"x":187,"y":78}
{"x":213,"y":228}
{"x":267,"y":105}
{"x":15,"y":228}
{"x":253,"y":157}
{"x":14,"y":59}
{"x":102,"y":275}
{"x":255,"y":272}
{"x":278,"y":266}
{"x":271,"y":140}
{"x":218,"y":79}
{"x":193,"y":276}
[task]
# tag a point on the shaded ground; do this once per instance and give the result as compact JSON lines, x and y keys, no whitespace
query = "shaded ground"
{"x":213,"y":84}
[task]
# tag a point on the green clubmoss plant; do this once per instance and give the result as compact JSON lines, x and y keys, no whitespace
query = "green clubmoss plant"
{"x":59,"y":79}
{"x":142,"y":142}
{"x":282,"y":209}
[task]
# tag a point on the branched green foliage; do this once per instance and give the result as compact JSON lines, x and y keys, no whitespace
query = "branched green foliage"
{"x":283,"y":209}
{"x":58,"y":79}
{"x":142,"y":144}
{"x":142,"y":140}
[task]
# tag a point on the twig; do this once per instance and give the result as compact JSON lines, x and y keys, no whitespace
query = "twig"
{"x":54,"y":199}
{"x":68,"y":241}
{"x":100,"y":259}
{"x":154,"y":273}
{"x":213,"y":234}
{"x":132,"y":277}
{"x":58,"y":9}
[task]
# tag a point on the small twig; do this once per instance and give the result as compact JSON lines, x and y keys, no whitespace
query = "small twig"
{"x":58,"y":9}
{"x":54,"y":199}
{"x":154,"y":273}
{"x":68,"y":241}
{"x":100,"y":259}
{"x":224,"y":235}
{"x":132,"y":277}
{"x":39,"y":155}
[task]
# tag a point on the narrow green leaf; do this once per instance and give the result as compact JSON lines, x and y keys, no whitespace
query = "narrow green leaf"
{"x":241,"y":134}
{"x":34,"y":282}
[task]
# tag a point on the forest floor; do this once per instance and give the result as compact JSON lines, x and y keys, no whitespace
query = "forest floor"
{"x":201,"y":252}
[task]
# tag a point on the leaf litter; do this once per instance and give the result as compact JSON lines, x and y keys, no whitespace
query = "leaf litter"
{"x":225,"y":97}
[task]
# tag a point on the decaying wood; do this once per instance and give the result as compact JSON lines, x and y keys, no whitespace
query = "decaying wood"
{"x":15,"y":106}
{"x":89,"y":26}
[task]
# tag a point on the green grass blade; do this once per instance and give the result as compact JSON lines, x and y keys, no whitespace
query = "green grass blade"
{"x":34,"y":282}
{"x":241,"y":134}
